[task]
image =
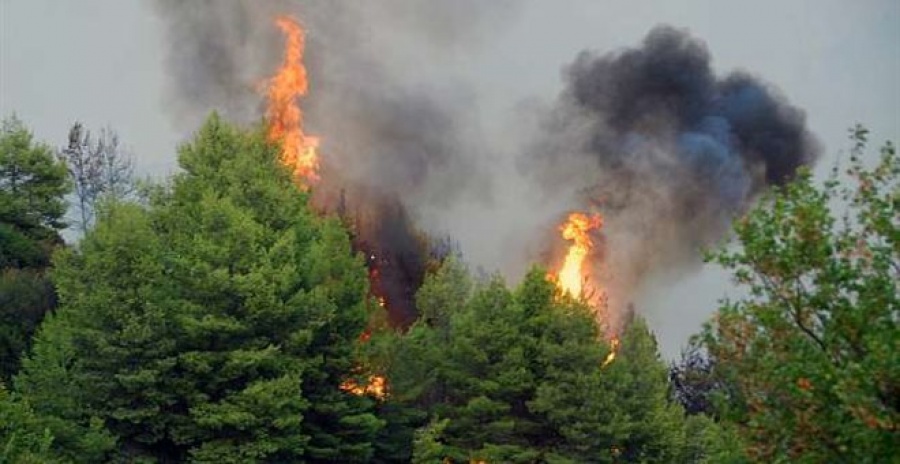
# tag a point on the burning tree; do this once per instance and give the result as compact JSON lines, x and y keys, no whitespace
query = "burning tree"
{"x":490,"y":374}
{"x":577,"y":229}
{"x":812,"y":356}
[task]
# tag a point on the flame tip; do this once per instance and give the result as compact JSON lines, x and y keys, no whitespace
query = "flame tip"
{"x":285,"y":118}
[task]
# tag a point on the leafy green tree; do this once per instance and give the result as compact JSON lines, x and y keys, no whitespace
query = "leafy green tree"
{"x":813,"y":353}
{"x":214,"y":324}
{"x":33,"y":185}
{"x":412,"y":362}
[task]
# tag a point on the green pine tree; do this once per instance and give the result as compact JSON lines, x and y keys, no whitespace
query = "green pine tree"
{"x":519,"y":376}
{"x":33,"y":184}
{"x":214,"y":324}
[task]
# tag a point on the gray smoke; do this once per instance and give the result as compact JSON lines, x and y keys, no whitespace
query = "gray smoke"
{"x":390,"y":114}
{"x":214,"y":59}
{"x":669,"y":152}
{"x":398,"y":133}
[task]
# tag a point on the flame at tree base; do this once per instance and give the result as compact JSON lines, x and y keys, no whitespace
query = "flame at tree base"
{"x":299,"y":151}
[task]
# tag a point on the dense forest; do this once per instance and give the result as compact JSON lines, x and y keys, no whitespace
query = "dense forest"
{"x":217,"y":316}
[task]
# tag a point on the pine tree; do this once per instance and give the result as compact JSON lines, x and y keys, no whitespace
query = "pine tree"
{"x":23,"y":439}
{"x":33,"y":185}
{"x":214,"y":324}
{"x":519,"y":376}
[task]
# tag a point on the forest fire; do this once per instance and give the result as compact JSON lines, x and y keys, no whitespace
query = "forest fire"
{"x":376,"y":387}
{"x":573,"y":274}
{"x":285,"y":118}
{"x":299,"y":153}
{"x":577,"y":228}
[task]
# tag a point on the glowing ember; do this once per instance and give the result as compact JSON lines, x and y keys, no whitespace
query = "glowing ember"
{"x":285,"y":118}
{"x":577,"y":228}
{"x":377,"y":387}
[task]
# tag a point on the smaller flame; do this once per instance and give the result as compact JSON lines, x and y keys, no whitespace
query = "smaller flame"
{"x":285,"y":118}
{"x":376,"y":386}
{"x":613,"y":349}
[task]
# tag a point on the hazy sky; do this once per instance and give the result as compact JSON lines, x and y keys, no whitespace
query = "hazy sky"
{"x":101,"y":62}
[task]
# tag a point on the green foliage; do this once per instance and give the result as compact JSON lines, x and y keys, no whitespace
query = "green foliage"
{"x":25,"y":296}
{"x":214,"y":324}
{"x":519,"y":376}
{"x":813,"y":352}
{"x":22,"y":439}
{"x":57,"y":395}
{"x":33,"y":184}
{"x":427,"y":445}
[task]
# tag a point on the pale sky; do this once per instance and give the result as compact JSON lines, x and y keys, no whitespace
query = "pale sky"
{"x":101,"y":62}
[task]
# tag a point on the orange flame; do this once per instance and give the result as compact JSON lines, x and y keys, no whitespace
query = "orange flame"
{"x":377,"y":387}
{"x":613,"y":349}
{"x":285,"y":118}
{"x":577,"y":229}
{"x":572,"y":275}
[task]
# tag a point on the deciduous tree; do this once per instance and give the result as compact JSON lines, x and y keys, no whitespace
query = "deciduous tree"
{"x":813,"y":352}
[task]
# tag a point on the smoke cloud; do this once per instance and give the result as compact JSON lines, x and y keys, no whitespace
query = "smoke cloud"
{"x":667,"y":150}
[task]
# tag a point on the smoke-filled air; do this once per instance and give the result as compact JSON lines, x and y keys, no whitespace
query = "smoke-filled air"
{"x":649,"y":138}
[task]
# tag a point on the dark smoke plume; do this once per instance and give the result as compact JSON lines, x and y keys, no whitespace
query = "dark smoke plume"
{"x":667,"y":150}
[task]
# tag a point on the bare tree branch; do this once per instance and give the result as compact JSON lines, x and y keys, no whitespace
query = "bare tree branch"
{"x":99,"y":169}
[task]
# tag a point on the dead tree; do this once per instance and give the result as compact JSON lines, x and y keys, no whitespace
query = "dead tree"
{"x":100,"y":170}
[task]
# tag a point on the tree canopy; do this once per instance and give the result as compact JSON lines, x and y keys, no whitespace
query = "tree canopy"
{"x":523,"y":376}
{"x":812,"y":355}
{"x":214,"y":323}
{"x":33,"y":185}
{"x":218,"y":318}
